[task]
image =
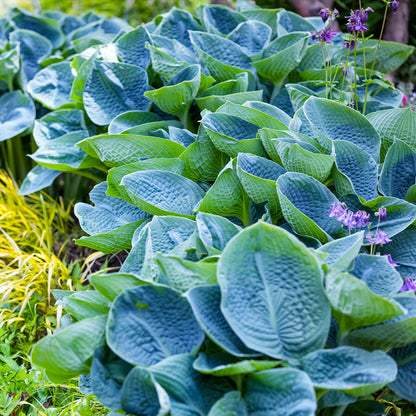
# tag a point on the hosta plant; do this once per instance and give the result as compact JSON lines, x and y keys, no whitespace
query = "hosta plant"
{"x":269,"y":227}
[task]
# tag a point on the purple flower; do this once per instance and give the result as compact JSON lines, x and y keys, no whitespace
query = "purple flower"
{"x":395,"y":5}
{"x":337,"y":208}
{"x":409,"y":285}
{"x":357,"y":19}
{"x":361,"y":219}
{"x":381,"y":213}
{"x":350,"y":44}
{"x":326,"y":35}
{"x":380,"y":238}
{"x":324,"y":13}
{"x":364,"y":14}
{"x":391,"y":261}
{"x":314,"y":36}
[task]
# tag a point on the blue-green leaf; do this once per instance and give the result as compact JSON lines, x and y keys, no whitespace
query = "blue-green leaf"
{"x":131,"y":47}
{"x":17,"y":114}
{"x":286,"y":389}
{"x":113,"y":88}
{"x":142,"y":330}
{"x":349,"y":370}
{"x":254,"y":274}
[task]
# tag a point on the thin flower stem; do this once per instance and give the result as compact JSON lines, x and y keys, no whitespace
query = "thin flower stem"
{"x":375,"y":56}
{"x":326,"y":71}
{"x":355,"y":72}
{"x":345,"y":68}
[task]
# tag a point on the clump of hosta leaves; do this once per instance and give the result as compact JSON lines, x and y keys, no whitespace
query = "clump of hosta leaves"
{"x":240,"y":294}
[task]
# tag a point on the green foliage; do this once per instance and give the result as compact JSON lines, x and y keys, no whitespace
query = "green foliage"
{"x":239,"y":290}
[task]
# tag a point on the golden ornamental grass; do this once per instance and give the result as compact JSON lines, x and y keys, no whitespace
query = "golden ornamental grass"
{"x":30,"y":254}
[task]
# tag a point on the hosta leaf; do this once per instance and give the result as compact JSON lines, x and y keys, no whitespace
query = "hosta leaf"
{"x":141,"y":330}
{"x":112,"y":241}
{"x":52,"y":85}
{"x":107,"y":214}
{"x":177,"y":24}
{"x":205,"y":302}
{"x":305,"y":203}
{"x":350,"y":370}
{"x":203,"y":161}
{"x":131,"y":47}
{"x":221,"y":364}
{"x":162,"y":235}
{"x":120,"y":149}
{"x":339,"y":122}
{"x":112,"y":285}
{"x":162,"y":193}
{"x":131,"y":119}
{"x":215,"y":231}
{"x":64,"y":154}
{"x":403,"y":251}
{"x":258,"y":177}
{"x":107,"y":375}
{"x":231,"y":134}
{"x":153,"y":128}
{"x":287,"y":391}
{"x":342,"y":251}
{"x":57,"y":123}
{"x":399,"y":170}
{"x":252,"y":36}
{"x":175,"y":49}
{"x":83,"y":67}
{"x":9,"y":64}
{"x":221,"y":20}
{"x":177,"y":98}
{"x":113,"y":88}
{"x":268,"y":16}
{"x":358,"y":166}
{"x":33,"y":47}
{"x":222,"y":57}
{"x":195,"y":392}
{"x":397,"y":332}
{"x":229,"y":405}
{"x":292,"y":22}
{"x":115,"y":175}
{"x":380,"y":276}
{"x":227,"y":197}
{"x":45,"y":27}
{"x":406,"y":376}
{"x":252,"y":115}
{"x":354,"y":304}
{"x":17,"y":114}
{"x":281,"y":57}
{"x":399,"y":123}
{"x":141,"y":395}
{"x":38,"y":178}
{"x":213,"y":102}
{"x":253,"y":273}
{"x":86,"y":304}
{"x":68,"y":353}
{"x":183,"y":275}
{"x":295,"y":158}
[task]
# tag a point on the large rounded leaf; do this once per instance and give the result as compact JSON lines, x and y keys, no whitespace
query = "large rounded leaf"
{"x":280,"y":391}
{"x":264,"y":274}
{"x":17,"y":114}
{"x":52,"y":85}
{"x":162,"y":193}
{"x":147,"y":324}
{"x":205,"y":302}
{"x":68,"y":353}
{"x":350,"y":370}
{"x":141,"y":395}
{"x":113,"y":88}
{"x":131,"y":47}
{"x":354,"y":304}
{"x":339,"y":122}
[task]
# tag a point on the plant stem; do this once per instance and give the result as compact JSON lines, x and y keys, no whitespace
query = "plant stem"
{"x":375,"y":56}
{"x":355,"y":72}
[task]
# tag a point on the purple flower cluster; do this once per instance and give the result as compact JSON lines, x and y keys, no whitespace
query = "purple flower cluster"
{"x":357,"y":20}
{"x":327,"y":13}
{"x":349,"y":218}
{"x":409,"y":285}
{"x":324,"y":35}
{"x":395,"y":5}
{"x":380,"y":237}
